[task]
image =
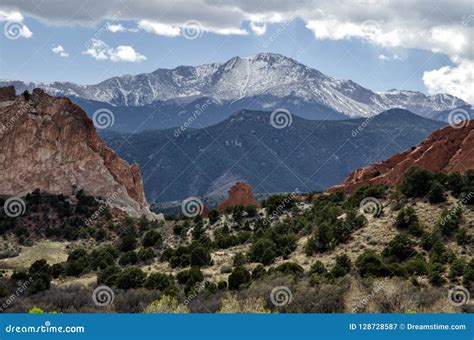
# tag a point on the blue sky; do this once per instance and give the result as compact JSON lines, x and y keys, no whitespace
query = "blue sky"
{"x":54,"y":50}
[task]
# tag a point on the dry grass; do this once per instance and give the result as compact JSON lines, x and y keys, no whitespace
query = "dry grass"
{"x":53,"y":252}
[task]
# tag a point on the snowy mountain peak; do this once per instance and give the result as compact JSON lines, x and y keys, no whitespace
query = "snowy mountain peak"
{"x":262,"y":76}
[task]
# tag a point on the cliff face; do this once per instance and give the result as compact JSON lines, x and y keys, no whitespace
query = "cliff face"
{"x":49,"y":143}
{"x":239,"y":194}
{"x":446,"y":150}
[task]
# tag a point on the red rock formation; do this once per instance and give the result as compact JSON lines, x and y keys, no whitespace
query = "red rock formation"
{"x":446,"y":150}
{"x":49,"y":143}
{"x":240,"y":194}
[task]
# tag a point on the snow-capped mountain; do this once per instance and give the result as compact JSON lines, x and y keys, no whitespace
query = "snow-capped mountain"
{"x":265,"y":77}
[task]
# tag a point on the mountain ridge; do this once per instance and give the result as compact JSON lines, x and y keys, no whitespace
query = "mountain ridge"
{"x":261,"y":75}
{"x":247,"y":148}
{"x":446,"y":150}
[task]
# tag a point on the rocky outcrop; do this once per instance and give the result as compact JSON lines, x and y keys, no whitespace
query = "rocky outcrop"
{"x":446,"y":150}
{"x":239,"y":194}
{"x":49,"y":143}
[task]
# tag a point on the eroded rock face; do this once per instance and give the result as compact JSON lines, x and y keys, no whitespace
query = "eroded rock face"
{"x":49,"y":143}
{"x":446,"y":150}
{"x":239,"y":194}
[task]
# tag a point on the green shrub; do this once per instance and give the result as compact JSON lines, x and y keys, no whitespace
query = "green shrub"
{"x":152,"y":238}
{"x":130,"y":278}
{"x":416,"y":266}
{"x":436,"y":193}
{"x":291,"y":268}
{"x":239,"y":259}
{"x":435,"y":274}
{"x":239,"y":277}
{"x":468,"y":277}
{"x":158,"y":281}
{"x":128,"y":258}
{"x":318,"y":268}
{"x":190,"y":276}
{"x":463,"y":238}
{"x":342,"y":266}
{"x":416,"y":182}
{"x":449,"y":220}
{"x":200,"y":256}
{"x":258,"y":272}
{"x":263,"y":251}
{"x":213,"y":216}
{"x":369,"y":263}
{"x":108,"y":276}
{"x":408,"y":220}
{"x":278,"y":203}
{"x":457,"y":268}
{"x":400,"y":248}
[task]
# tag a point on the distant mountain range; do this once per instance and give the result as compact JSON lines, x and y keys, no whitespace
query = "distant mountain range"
{"x":306,"y":155}
{"x":168,"y":97}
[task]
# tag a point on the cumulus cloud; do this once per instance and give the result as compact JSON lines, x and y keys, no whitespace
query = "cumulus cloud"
{"x":158,"y":28}
{"x":437,"y":26}
{"x":59,"y":50}
{"x":14,"y":27}
{"x":99,"y":50}
{"x":114,"y":28}
{"x":389,"y":58}
{"x":457,"y":80}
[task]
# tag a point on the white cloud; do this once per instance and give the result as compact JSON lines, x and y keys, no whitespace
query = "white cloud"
{"x":389,"y":58}
{"x":99,"y":50}
{"x":438,"y":26}
{"x":14,"y":27}
{"x":457,"y":80}
{"x":59,"y":50}
{"x":158,"y":28}
{"x":258,"y":28}
{"x":114,"y":28}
